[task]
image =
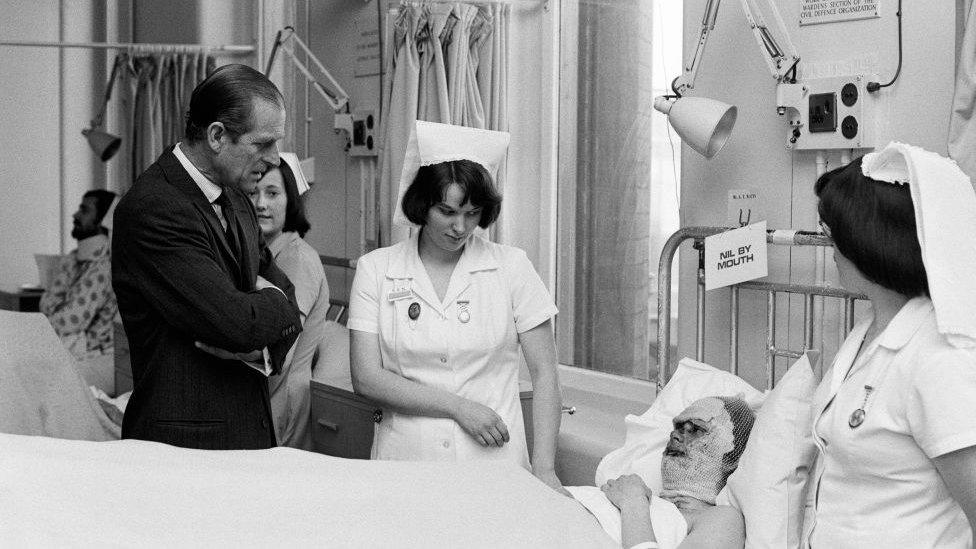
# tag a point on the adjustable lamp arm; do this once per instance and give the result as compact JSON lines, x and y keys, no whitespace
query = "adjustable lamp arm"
{"x":782,"y":65}
{"x":337,"y":98}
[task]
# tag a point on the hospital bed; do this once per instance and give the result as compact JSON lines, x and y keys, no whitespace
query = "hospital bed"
{"x":79,"y":492}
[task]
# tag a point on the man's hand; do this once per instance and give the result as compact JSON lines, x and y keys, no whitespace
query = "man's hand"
{"x":627,"y":489}
{"x":482,"y":423}
{"x":253,"y":356}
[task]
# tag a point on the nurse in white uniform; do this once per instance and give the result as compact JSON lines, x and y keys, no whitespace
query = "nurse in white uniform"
{"x":438,"y":320}
{"x":895,"y":418}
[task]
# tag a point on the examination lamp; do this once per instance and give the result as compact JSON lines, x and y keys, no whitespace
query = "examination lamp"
{"x":703,"y":124}
{"x":706,"y":124}
{"x":104,"y":144}
{"x":334,"y":94}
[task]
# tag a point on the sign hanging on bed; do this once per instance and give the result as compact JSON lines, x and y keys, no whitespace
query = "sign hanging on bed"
{"x":735,"y":256}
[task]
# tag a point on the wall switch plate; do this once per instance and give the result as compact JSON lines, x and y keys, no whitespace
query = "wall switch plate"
{"x":361,"y":129}
{"x":840,"y":114}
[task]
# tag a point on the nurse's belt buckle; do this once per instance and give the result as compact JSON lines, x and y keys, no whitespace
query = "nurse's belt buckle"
{"x":464,"y":315}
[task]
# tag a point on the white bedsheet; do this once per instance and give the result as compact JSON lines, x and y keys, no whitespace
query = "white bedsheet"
{"x":135,"y":493}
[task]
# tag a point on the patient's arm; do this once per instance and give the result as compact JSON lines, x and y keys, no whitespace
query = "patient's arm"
{"x":719,"y":527}
{"x":633,"y":498}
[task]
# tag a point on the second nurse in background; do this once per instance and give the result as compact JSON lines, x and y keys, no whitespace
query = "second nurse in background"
{"x":437,"y":320}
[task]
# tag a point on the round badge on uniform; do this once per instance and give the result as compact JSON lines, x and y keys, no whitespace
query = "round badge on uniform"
{"x":857,"y":418}
{"x":414,"y":311}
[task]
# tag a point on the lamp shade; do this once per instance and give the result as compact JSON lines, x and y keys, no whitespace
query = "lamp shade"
{"x":104,"y":144}
{"x":704,"y":124}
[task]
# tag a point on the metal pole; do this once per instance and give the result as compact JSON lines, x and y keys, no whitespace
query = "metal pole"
{"x":734,"y":332}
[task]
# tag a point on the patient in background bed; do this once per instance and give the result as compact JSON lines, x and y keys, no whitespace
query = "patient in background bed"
{"x":704,"y":449}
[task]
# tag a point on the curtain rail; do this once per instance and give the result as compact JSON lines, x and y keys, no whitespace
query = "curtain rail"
{"x":228,"y":49}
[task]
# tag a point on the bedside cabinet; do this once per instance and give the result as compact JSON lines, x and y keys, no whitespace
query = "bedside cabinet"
{"x":342,"y":421}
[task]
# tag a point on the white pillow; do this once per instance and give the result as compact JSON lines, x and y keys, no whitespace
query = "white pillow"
{"x":769,"y":487}
{"x":648,"y":434}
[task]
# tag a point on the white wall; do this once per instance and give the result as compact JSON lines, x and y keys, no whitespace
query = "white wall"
{"x":33,"y":150}
{"x":914,"y":110}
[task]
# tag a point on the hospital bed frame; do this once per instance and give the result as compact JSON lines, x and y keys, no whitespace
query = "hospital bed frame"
{"x":771,"y":351}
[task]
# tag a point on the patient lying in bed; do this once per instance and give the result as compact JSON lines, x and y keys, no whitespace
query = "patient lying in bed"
{"x":704,"y":449}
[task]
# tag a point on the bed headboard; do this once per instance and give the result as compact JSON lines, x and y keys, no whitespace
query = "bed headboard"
{"x":810,"y":296}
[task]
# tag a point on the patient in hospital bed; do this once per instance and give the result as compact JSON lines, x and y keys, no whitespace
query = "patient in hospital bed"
{"x":704,"y":449}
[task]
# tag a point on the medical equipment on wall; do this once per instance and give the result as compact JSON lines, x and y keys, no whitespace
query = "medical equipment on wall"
{"x":826,"y":113}
{"x":359,"y":127}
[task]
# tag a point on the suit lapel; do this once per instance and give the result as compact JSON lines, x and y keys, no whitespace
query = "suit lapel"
{"x":179,"y":178}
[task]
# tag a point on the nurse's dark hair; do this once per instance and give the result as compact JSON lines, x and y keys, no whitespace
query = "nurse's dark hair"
{"x":872,"y":223}
{"x":431,"y":183}
{"x":295,"y":218}
{"x":227,"y":96}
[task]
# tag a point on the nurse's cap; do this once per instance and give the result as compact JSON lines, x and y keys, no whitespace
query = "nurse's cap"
{"x":945,"y":220}
{"x":291,"y":159}
{"x":432,"y":143}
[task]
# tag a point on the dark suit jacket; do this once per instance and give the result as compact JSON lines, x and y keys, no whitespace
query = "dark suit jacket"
{"x":177,"y":281}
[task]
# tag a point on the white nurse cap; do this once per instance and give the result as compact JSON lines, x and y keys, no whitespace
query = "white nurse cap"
{"x":296,"y":168}
{"x":945,"y":217}
{"x":432,"y":143}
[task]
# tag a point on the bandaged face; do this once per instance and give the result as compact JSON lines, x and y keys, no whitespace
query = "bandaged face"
{"x":693,"y":463}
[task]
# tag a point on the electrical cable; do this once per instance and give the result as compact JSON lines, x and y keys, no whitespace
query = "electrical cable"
{"x":875,"y":86}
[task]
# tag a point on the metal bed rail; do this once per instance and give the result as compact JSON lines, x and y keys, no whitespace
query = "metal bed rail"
{"x":771,"y":351}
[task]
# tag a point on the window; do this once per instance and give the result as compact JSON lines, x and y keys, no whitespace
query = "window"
{"x":618,"y":179}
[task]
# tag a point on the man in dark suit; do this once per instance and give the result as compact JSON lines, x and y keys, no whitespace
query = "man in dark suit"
{"x":206,"y":312}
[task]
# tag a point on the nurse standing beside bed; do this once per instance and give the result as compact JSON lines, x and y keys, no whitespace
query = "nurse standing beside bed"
{"x":280,"y":209}
{"x":895,"y":418}
{"x":437,"y":321}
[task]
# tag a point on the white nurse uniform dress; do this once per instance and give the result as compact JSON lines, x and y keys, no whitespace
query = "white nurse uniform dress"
{"x":466,"y":344}
{"x":875,"y":484}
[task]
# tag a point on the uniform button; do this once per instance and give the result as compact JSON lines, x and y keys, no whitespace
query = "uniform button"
{"x":443,"y":360}
{"x":264,"y":423}
{"x":447,"y":444}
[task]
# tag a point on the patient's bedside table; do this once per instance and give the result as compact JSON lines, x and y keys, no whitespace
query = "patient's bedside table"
{"x":342,"y":421}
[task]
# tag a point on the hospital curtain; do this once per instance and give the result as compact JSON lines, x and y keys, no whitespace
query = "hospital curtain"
{"x":447,"y":63}
{"x":962,"y":129}
{"x":155,"y":94}
{"x":613,"y":179}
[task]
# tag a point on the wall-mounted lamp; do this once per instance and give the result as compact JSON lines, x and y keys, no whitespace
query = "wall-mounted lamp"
{"x":334,"y":95}
{"x":706,"y":124}
{"x":104,"y":144}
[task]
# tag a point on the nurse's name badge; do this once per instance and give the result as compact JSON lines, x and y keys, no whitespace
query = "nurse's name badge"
{"x":413,"y":311}
{"x":397,"y":295}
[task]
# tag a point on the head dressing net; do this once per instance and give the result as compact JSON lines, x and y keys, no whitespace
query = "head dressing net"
{"x":705,"y":447}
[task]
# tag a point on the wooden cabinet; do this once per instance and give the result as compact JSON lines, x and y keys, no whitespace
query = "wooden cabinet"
{"x":342,"y":422}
